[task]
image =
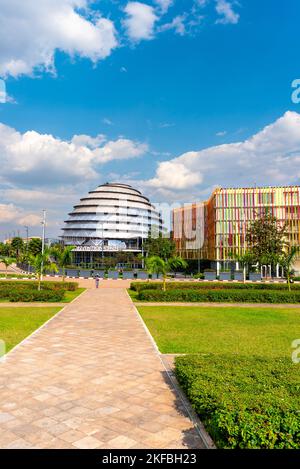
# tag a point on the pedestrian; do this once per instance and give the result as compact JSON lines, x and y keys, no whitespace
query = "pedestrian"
{"x":97,"y":281}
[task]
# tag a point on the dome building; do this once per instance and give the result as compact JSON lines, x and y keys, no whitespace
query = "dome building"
{"x":112,"y":218}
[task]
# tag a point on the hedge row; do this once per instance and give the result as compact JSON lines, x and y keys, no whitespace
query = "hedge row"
{"x":35,"y":295}
{"x":7,"y":285}
{"x":244,"y":402}
{"x":235,"y":296}
{"x":139,"y":286}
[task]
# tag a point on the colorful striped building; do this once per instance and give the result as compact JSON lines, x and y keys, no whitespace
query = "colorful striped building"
{"x":214,"y":229}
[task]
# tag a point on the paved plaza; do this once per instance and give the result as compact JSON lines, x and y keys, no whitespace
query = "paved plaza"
{"x":92,"y":378}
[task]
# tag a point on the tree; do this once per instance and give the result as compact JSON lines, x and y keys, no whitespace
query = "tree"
{"x":7,"y":261}
{"x":42,"y":262}
{"x":35,"y":246}
{"x":246,"y":259}
{"x":63,"y":257}
{"x":266,"y":238}
{"x":17,"y":245}
{"x":287,"y":261}
{"x":157,"y":265}
{"x":176,"y":263}
{"x":160,"y":246}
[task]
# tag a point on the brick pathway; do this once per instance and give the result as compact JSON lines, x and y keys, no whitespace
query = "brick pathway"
{"x":91,"y":378}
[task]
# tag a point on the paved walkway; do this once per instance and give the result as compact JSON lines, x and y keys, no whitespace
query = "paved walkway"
{"x":91,"y":378}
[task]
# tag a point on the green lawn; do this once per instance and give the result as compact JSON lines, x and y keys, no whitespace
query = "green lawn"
{"x":223,"y":330}
{"x":18,"y":323}
{"x":71,"y":295}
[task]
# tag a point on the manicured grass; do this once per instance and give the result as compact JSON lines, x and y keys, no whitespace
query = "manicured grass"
{"x":18,"y":323}
{"x":223,"y":330}
{"x":71,"y":295}
{"x":133,"y":294}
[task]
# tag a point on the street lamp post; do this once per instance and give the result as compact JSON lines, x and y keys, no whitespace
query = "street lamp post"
{"x":27,"y":237}
{"x":43,"y":239}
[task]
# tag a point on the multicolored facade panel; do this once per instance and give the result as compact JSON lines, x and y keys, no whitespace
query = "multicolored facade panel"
{"x":224,"y":219}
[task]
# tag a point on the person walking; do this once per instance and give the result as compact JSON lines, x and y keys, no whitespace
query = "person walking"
{"x":97,"y":281}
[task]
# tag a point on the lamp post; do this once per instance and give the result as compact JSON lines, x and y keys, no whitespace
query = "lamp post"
{"x":43,"y":239}
{"x":27,"y":237}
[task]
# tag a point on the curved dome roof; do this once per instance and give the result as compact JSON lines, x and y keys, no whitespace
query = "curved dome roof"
{"x":111,"y":211}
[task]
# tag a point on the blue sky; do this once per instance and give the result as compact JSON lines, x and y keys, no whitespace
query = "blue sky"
{"x":174,"y":85}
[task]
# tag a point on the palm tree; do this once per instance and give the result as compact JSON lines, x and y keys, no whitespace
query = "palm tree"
{"x":287,"y":261}
{"x":157,"y":265}
{"x":177,"y":263}
{"x":7,"y":261}
{"x":63,"y":257}
{"x":41,"y":262}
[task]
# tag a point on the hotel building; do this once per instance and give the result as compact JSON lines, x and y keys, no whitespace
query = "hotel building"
{"x":112,"y":218}
{"x":214,"y":229}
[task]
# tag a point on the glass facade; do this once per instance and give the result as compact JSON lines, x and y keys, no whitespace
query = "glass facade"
{"x":214,"y":229}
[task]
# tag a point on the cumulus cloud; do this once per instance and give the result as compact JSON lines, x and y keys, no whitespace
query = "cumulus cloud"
{"x":31,"y":32}
{"x":140,"y":21}
{"x":10,"y":213}
{"x":227,"y":15}
{"x":41,"y":159}
{"x":272,"y":156}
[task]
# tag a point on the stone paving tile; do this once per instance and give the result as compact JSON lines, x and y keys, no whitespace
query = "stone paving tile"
{"x":91,"y":378}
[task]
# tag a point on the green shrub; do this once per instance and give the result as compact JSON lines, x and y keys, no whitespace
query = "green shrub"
{"x":27,"y":295}
{"x":244,"y":402}
{"x":238,"y":296}
{"x":138,"y":286}
{"x":199,"y":276}
{"x":7,"y":285}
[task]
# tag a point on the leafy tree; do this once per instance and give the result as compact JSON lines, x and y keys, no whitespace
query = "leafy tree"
{"x":63,"y":257}
{"x":160,"y":246}
{"x":35,"y":246}
{"x":42,"y":262}
{"x":266,"y":238}
{"x":4,"y":249}
{"x":17,"y":245}
{"x":287,"y":261}
{"x":7,"y":261}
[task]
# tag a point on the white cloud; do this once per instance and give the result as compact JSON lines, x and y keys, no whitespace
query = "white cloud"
{"x":164,"y":5}
{"x":120,"y":149}
{"x":31,"y":32}
{"x":178,"y":24}
{"x":43,"y":159}
{"x":272,"y":156}
{"x":222,"y":133}
{"x":225,"y":10}
{"x":10,"y":213}
{"x":107,"y":121}
{"x":175,"y":175}
{"x":140,"y":21}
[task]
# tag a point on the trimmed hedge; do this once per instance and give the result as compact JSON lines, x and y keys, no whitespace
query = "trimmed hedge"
{"x":27,"y":295}
{"x":6,"y":285}
{"x":245,"y":403}
{"x":235,"y":296}
{"x":138,"y":286}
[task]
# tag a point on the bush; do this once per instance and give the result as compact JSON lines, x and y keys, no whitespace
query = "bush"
{"x":199,"y":276}
{"x":244,"y":402}
{"x":7,"y":285}
{"x":223,"y":295}
{"x":138,"y":286}
{"x":27,"y":295}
